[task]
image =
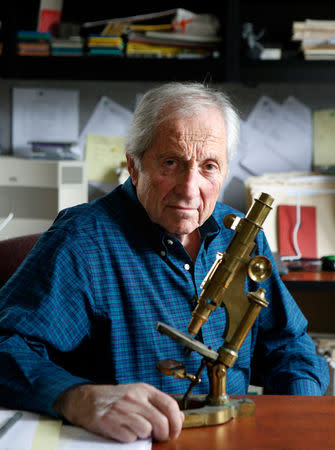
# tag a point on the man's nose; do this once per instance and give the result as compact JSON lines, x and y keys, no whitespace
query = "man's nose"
{"x":188,"y":182}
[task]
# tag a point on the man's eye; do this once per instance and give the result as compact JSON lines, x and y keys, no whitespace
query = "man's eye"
{"x":210,"y":167}
{"x":170,"y":163}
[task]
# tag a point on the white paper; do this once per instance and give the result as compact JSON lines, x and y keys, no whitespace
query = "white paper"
{"x":75,"y":438}
{"x":108,"y":119}
{"x":22,"y":434}
{"x":43,"y":115}
{"x":266,"y":154}
{"x":277,"y":137}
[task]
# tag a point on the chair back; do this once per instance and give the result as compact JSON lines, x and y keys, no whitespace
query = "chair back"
{"x":12,"y":252}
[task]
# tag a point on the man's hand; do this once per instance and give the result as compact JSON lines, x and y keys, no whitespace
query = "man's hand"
{"x":124,"y":412}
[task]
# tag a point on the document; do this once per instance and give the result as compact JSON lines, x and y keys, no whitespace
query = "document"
{"x":278,"y":137}
{"x":38,"y":432}
{"x":43,"y":115}
{"x":324,"y":135}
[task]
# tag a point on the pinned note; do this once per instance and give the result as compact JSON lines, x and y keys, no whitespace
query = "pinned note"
{"x":324,"y":135}
{"x":104,"y":155}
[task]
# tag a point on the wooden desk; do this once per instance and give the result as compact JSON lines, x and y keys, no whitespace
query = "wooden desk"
{"x":280,"y":422}
{"x":318,"y":280}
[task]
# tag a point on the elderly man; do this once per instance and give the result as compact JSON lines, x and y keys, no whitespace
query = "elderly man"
{"x":77,"y":321}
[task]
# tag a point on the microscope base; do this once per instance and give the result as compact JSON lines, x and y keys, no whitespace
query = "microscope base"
{"x":200,"y":414}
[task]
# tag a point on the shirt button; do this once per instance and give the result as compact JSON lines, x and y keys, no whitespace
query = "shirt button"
{"x":187,"y":267}
{"x":163,"y":253}
{"x":169,"y":242}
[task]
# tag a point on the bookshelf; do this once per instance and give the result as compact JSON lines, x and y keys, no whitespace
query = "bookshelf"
{"x":232,"y":65}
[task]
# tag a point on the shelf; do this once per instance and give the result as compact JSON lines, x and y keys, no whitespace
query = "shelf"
{"x":288,"y":70}
{"x":275,"y":18}
{"x":126,"y":69}
{"x":107,"y":68}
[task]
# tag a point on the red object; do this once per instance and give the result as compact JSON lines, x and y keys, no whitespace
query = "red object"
{"x":49,"y":20}
{"x":306,"y":237}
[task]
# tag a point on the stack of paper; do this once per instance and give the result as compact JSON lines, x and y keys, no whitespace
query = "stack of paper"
{"x":39,"y":432}
{"x":317,"y":38}
{"x":189,"y":35}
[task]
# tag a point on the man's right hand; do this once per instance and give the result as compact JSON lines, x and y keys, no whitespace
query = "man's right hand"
{"x":124,"y":412}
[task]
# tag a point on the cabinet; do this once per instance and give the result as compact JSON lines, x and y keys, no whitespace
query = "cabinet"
{"x":314,"y":293}
{"x":275,"y":18}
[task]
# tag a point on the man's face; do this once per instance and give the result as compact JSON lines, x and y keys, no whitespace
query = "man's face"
{"x":182,"y":173}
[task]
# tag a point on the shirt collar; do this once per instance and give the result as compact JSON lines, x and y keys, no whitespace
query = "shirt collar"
{"x":208,"y":230}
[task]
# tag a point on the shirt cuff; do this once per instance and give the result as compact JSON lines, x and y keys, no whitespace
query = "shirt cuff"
{"x":47,"y":392}
{"x":304,"y":386}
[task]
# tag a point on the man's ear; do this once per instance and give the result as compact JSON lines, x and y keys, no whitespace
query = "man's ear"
{"x":133,"y":172}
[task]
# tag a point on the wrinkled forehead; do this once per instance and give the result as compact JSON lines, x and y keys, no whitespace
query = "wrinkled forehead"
{"x":208,"y":123}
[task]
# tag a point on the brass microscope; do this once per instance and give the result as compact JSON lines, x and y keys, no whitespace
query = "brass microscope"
{"x":223,"y":286}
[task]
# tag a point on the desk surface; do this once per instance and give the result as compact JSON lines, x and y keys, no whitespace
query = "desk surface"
{"x":280,"y":422}
{"x":310,"y":280}
{"x":309,"y":276}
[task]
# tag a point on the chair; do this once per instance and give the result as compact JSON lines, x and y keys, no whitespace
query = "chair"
{"x":12,"y":252}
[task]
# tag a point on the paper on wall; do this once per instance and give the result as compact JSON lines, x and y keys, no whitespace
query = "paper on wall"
{"x":324,"y":135}
{"x":108,"y":119}
{"x":104,"y":155}
{"x":278,"y":137}
{"x":43,"y":115}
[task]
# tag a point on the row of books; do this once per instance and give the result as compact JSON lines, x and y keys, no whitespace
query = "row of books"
{"x":172,"y":33}
{"x":317,"y":38}
{"x":155,"y":44}
{"x":37,"y":43}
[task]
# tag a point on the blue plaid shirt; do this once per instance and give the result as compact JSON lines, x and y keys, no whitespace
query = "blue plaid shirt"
{"x":84,"y":305}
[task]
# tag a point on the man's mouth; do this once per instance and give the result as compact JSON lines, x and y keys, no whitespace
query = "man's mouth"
{"x":182,"y":208}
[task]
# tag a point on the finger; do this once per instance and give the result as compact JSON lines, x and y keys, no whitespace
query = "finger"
{"x":111,"y":427}
{"x":169,"y":407}
{"x":158,"y":422}
{"x":136,"y":400}
{"x":139,"y":425}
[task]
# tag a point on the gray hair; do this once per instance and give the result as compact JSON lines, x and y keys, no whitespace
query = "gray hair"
{"x":178,"y":99}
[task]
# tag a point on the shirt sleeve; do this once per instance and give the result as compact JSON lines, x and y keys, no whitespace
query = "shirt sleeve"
{"x":45,"y":312}
{"x":285,"y":360}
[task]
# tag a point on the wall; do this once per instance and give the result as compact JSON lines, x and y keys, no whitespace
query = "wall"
{"x":313,"y":95}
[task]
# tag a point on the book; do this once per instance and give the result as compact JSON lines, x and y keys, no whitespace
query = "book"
{"x":306,"y":235}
